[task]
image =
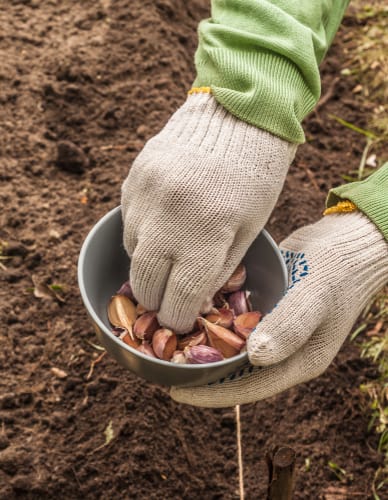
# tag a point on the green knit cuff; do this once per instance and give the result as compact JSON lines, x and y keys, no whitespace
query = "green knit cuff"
{"x":370,"y":196}
{"x":260,"y":88}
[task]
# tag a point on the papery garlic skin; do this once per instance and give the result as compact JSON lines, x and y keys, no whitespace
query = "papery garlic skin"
{"x":164,"y":343}
{"x":226,"y":341}
{"x":146,"y":325}
{"x":123,"y":334}
{"x":179,"y":358}
{"x":238,"y":302}
{"x":196,"y":338}
{"x":245,"y":323}
{"x":122,"y":312}
{"x":222,"y":317}
{"x":202,"y":354}
{"x":126,"y":290}
{"x":146,"y":348}
{"x":236,"y":281}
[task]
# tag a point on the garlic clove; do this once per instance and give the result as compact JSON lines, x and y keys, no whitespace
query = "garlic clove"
{"x":245,"y":323}
{"x":145,"y":326}
{"x":123,"y":334}
{"x":227,"y":342}
{"x":222,"y":317}
{"x":122,"y":312}
{"x":179,"y":358}
{"x":118,"y":331}
{"x":249,"y":303}
{"x":164,"y":343}
{"x":236,"y":281}
{"x":146,"y":348}
{"x":140,"y":310}
{"x":238,"y":302}
{"x":219,"y":300}
{"x":196,"y":338}
{"x":201,"y":354}
{"x":126,"y":290}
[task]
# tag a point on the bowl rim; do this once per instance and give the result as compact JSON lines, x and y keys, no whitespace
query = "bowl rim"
{"x":101,"y":325}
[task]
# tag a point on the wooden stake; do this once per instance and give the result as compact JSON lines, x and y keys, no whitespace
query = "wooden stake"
{"x":239,"y":453}
{"x":281,"y":466}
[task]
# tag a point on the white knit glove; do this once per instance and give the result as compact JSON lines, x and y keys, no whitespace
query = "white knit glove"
{"x":335,"y":266}
{"x":193,"y":202}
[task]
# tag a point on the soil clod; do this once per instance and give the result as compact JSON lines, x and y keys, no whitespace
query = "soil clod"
{"x":71,"y":158}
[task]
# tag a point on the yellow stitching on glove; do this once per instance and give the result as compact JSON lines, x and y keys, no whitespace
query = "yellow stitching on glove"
{"x":200,"y":90}
{"x":341,"y":207}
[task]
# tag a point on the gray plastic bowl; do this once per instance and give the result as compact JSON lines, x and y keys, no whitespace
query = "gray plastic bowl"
{"x":103,"y":266}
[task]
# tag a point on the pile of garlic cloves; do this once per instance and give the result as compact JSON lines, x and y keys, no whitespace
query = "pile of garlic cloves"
{"x":219,"y":334}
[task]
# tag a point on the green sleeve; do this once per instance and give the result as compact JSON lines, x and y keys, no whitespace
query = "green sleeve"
{"x":370,"y":196}
{"x":261,"y":58}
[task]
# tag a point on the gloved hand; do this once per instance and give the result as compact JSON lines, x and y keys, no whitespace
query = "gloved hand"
{"x":194,"y":200}
{"x":335,"y":266}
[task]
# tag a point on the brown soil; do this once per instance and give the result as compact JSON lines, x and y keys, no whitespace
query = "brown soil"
{"x":83,"y":86}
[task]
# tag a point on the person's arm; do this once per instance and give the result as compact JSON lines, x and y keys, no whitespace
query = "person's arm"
{"x":335,"y":266}
{"x":260,"y":58}
{"x":200,"y":192}
{"x":370,"y":196}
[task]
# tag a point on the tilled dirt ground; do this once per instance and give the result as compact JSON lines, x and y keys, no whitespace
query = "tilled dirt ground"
{"x":85,"y":84}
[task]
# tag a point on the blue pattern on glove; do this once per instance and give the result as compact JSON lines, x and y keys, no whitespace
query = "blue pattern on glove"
{"x":298,"y":269}
{"x":297,"y":266}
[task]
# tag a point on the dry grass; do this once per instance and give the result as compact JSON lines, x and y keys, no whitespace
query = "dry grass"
{"x":369,"y":60}
{"x":372,"y":338}
{"x":368,"y":65}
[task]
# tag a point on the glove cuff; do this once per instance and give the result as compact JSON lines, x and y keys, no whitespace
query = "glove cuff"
{"x":369,"y":195}
{"x":212,"y":130}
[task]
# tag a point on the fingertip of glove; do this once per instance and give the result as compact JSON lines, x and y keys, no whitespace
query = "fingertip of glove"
{"x":262,"y":359}
{"x":263,"y":353}
{"x":180,"y":395}
{"x":173,"y":394}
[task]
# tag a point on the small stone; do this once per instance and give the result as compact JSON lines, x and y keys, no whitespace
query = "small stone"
{"x":15,"y":248}
{"x":54,"y":234}
{"x":21,"y":483}
{"x":371,"y":161}
{"x":71,"y":158}
{"x":139,"y":452}
{"x":142,"y":131}
{"x":357,"y":89}
{"x":57,"y":372}
{"x":228,"y":420}
{"x":12,"y":276}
